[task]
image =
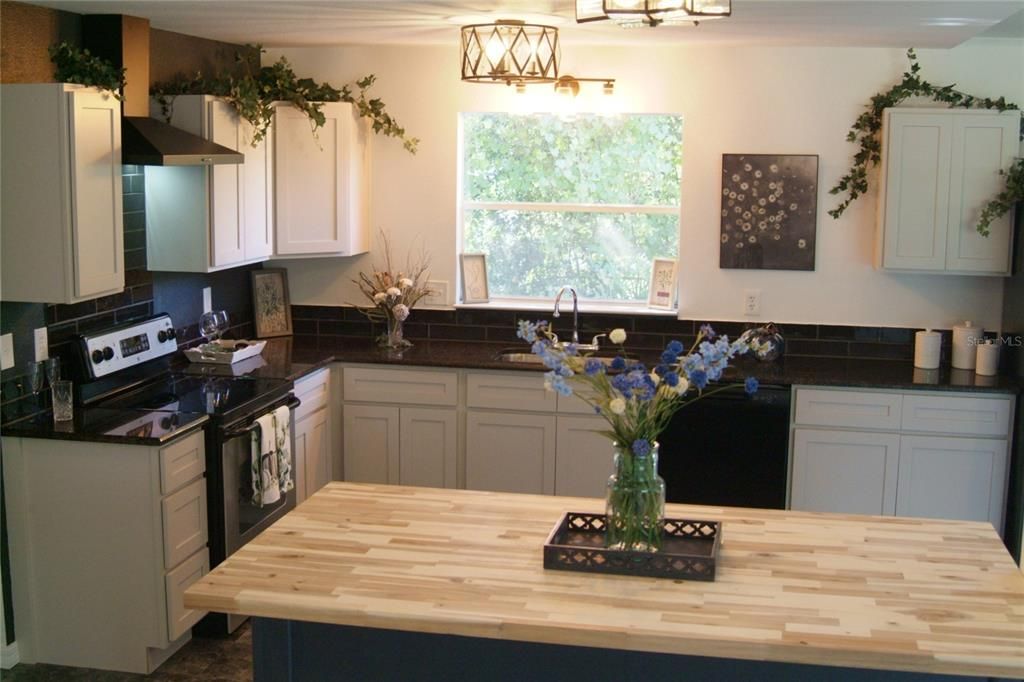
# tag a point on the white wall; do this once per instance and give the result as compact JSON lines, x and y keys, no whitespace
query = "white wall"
{"x":733,"y":99}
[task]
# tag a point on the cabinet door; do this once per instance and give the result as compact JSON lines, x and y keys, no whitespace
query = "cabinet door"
{"x":917,"y":174}
{"x":97,"y":230}
{"x":952,"y":478}
{"x":428,"y":447}
{"x":844,"y":471}
{"x":311,"y":181}
{"x":983,"y":145}
{"x":513,"y":453}
{"x":584,"y":457}
{"x":311,"y":442}
{"x":257,"y":194}
{"x":371,"y":443}
{"x":227,"y":238}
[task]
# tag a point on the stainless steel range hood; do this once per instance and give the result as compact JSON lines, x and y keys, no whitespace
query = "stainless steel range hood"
{"x":145,"y":141}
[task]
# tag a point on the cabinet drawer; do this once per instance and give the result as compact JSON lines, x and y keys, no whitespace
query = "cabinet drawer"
{"x":180,"y":618}
{"x":856,"y":409}
{"x":400,"y":386}
{"x":185,"y":530}
{"x":524,"y":392}
{"x":182,"y":461}
{"x":957,"y":415}
{"x":314,"y":391}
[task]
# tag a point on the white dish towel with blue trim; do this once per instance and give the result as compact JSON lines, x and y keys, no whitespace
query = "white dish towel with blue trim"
{"x":271,"y":457}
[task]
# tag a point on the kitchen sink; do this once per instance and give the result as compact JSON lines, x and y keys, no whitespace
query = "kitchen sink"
{"x":531,"y":359}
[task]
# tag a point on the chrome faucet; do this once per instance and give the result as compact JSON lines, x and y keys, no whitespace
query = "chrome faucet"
{"x":593,"y":345}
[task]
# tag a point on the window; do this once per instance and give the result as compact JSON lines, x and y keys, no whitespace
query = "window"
{"x":588,"y":201}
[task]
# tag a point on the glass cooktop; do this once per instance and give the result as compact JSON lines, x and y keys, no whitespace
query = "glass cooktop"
{"x":213,"y":396}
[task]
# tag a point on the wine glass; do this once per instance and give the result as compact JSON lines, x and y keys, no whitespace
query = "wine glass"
{"x":52,"y":371}
{"x":213,"y":324}
{"x":34,"y":373}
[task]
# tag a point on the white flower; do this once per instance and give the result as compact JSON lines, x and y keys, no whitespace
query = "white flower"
{"x":400,"y":312}
{"x":405,"y":282}
{"x":617,"y":406}
{"x":617,"y":336}
{"x":683,"y":386}
{"x":394,"y":292}
{"x":379,"y":297}
{"x":655,"y":378}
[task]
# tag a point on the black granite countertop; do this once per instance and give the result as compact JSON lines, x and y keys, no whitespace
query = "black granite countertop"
{"x":109,"y":425}
{"x":286,"y":359}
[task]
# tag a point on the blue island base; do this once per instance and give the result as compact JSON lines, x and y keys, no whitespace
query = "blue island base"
{"x":298,"y":651}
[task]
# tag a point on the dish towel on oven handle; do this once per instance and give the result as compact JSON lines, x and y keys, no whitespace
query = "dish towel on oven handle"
{"x":265,"y":486}
{"x":283,"y":434}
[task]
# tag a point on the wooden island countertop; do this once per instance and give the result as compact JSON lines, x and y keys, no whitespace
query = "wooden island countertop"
{"x":826,"y":589}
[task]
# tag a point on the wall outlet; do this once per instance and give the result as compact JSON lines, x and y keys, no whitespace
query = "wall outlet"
{"x":440,"y":298}
{"x":41,"y":343}
{"x":207,"y":299}
{"x":752,"y":302}
{"x":6,"y":351}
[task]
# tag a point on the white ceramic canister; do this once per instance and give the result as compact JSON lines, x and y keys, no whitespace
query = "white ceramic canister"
{"x":988,"y":359}
{"x":927,"y":349}
{"x":965,"y":337}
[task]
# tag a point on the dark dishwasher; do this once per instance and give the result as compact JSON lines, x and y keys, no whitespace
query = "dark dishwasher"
{"x":729,"y":449}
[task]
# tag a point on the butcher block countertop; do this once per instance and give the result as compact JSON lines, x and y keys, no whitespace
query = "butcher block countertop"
{"x":826,"y":589}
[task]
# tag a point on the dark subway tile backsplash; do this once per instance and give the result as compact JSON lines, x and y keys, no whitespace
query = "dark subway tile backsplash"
{"x":645,"y":331}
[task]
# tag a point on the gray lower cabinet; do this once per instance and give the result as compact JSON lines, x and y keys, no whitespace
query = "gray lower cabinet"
{"x":917,"y":453}
{"x":105,"y":538}
{"x":510,"y":452}
{"x":312,"y":434}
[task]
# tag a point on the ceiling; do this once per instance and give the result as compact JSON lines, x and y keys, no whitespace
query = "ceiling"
{"x":852,"y":23}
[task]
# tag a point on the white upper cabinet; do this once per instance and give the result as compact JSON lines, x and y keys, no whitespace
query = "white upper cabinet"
{"x":939,"y":169}
{"x":61,"y":186}
{"x":321,"y":182}
{"x":206,"y":218}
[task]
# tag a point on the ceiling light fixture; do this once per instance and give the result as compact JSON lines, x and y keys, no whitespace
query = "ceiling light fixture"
{"x":510,"y":52}
{"x":633,"y":13}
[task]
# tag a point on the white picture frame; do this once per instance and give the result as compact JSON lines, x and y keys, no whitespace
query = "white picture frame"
{"x":474,"y":278}
{"x":661,"y":293}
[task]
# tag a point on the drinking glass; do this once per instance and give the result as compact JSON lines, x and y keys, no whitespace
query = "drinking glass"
{"x":213,"y":324}
{"x":52,"y":370}
{"x":34,"y":377}
{"x":63,"y":401}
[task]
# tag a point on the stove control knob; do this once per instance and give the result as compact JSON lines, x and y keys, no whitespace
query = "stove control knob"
{"x":108,"y":353}
{"x":97,"y":356}
{"x":171,"y":334}
{"x":162,"y":336}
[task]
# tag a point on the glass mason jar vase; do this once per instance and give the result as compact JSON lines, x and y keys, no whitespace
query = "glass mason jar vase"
{"x":393,"y":338}
{"x":634,"y":502}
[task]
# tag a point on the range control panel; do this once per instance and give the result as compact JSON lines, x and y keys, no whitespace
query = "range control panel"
{"x":128,"y":345}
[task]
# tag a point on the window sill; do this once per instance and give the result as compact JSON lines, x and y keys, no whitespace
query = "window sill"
{"x":585,"y":307}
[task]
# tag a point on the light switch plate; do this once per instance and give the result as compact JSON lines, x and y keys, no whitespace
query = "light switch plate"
{"x":440,"y":297}
{"x":207,"y":299}
{"x":41,"y":344}
{"x":6,"y":351}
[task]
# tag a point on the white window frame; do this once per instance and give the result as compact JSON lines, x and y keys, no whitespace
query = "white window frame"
{"x":597,"y":305}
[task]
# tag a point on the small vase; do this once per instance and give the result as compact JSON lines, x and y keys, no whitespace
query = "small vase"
{"x":393,"y":338}
{"x":635,"y":502}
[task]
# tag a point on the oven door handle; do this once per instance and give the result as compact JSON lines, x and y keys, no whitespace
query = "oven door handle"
{"x":292,"y":405}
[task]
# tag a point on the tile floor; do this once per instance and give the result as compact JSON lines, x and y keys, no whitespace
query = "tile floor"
{"x":209,"y":660}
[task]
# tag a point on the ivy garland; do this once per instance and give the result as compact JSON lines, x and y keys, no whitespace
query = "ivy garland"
{"x":74,"y":65}
{"x":866,"y":131}
{"x":253,"y":95}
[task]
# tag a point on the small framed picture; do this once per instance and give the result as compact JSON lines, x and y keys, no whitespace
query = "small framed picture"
{"x":474,"y":278}
{"x":662,"y":292}
{"x":272,"y":311}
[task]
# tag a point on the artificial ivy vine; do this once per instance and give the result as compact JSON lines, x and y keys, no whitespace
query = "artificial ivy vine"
{"x":79,"y":66}
{"x":253,"y":95}
{"x":866,"y":131}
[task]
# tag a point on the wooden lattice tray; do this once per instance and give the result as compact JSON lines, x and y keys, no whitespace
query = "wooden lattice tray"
{"x":689,"y":549}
